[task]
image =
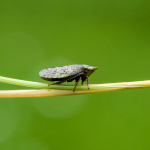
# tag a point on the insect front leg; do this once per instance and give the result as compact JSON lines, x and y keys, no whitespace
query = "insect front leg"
{"x":82,"y":82}
{"x":85,"y":78}
{"x":87,"y":82}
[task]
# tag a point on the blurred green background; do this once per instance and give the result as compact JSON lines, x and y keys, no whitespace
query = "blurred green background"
{"x":113,"y":35}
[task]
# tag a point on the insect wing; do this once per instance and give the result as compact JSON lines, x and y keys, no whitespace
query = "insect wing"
{"x":61,"y":72}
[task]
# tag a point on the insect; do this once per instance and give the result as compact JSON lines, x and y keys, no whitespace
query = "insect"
{"x":68,"y":73}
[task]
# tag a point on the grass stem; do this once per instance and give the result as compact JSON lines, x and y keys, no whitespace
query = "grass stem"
{"x":63,"y":90}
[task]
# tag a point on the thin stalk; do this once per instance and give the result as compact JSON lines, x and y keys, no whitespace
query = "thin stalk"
{"x":62,"y":90}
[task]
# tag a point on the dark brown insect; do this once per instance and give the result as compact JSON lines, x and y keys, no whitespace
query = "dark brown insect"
{"x":68,"y":73}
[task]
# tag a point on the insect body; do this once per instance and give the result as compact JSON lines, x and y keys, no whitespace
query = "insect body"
{"x":68,"y":73}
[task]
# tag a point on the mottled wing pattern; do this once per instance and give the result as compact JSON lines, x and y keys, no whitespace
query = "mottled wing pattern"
{"x":61,"y":72}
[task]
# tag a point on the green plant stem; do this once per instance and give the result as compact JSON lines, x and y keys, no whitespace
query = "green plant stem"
{"x":61,"y":90}
{"x":23,"y":82}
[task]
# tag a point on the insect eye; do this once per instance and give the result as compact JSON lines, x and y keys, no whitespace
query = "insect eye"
{"x":90,"y":68}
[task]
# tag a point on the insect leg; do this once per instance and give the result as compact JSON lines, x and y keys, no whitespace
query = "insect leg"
{"x":59,"y":82}
{"x":87,"y":82}
{"x":77,"y":81}
{"x":84,"y":78}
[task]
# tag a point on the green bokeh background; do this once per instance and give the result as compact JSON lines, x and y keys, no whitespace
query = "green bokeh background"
{"x":113,"y":35}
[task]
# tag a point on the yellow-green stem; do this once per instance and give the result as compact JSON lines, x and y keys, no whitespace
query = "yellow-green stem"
{"x":61,"y":90}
